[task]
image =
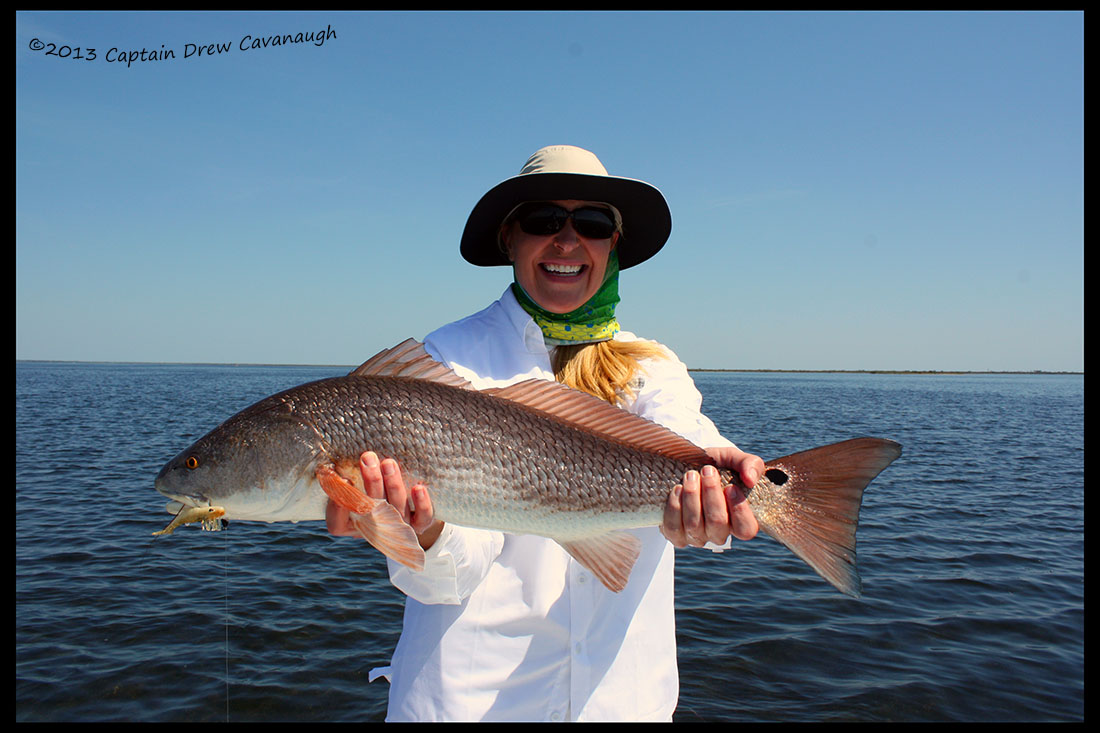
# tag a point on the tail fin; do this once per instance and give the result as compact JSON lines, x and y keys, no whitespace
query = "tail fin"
{"x":809,"y":501}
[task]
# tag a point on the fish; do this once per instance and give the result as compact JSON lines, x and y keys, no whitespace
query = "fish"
{"x":209,"y":516}
{"x":535,"y":457}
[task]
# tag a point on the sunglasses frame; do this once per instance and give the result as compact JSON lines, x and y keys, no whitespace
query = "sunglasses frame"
{"x":525,"y":217}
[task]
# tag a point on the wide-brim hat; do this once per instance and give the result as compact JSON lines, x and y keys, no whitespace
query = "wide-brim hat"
{"x":562,"y":172}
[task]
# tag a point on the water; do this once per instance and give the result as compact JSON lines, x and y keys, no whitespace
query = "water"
{"x":971,"y":550}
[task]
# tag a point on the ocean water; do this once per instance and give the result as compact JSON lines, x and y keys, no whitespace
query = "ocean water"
{"x":971,"y":549}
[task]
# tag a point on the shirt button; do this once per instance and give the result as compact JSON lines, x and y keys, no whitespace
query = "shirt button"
{"x":555,"y":717}
{"x":582,"y":578}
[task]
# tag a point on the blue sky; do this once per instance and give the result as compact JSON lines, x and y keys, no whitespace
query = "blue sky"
{"x":849,"y":190}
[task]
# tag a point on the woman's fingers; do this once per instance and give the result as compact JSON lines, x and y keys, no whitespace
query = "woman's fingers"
{"x":702,"y":510}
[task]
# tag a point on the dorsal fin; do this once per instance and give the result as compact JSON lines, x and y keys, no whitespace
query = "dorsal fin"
{"x":565,"y":404}
{"x":409,"y":359}
{"x":590,"y":413}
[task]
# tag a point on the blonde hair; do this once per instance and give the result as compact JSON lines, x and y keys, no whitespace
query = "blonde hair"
{"x":606,"y":369}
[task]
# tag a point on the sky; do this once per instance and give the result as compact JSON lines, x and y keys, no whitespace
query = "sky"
{"x":894,"y":190}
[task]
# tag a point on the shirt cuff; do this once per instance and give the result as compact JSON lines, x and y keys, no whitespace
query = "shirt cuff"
{"x":453,"y":566}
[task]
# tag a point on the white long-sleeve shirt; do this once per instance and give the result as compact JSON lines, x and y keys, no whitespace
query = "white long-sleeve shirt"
{"x":509,"y":627}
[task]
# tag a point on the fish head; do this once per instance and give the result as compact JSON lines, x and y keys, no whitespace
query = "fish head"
{"x":257,"y":465}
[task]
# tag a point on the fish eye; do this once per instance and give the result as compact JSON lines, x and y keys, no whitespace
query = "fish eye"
{"x":192,"y":462}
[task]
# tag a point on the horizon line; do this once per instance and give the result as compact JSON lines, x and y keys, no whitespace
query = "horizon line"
{"x":690,"y":369}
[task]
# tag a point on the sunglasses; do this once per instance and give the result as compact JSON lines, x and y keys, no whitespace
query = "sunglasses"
{"x":542,"y":219}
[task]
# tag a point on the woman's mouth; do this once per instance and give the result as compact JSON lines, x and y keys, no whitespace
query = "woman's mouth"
{"x":561,"y":270}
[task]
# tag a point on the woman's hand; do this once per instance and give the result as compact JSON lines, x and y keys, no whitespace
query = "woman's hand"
{"x":701,"y":510}
{"x":383,"y":480}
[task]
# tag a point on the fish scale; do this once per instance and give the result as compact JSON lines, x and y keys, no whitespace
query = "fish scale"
{"x":531,"y":458}
{"x":520,"y":476}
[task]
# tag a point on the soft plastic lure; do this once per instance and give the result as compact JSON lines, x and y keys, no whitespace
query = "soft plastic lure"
{"x":208,"y":515}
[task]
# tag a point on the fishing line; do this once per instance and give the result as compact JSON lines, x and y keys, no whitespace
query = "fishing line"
{"x":225,"y":560}
{"x":225,"y":544}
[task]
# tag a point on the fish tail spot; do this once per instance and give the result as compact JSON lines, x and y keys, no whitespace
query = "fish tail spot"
{"x":777,"y":476}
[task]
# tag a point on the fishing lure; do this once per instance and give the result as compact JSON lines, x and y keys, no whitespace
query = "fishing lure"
{"x":208,"y":515}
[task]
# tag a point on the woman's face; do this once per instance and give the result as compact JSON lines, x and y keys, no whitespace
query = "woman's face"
{"x":560,"y":271}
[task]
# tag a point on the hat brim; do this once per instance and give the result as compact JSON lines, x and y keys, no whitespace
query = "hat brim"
{"x":647,"y":221}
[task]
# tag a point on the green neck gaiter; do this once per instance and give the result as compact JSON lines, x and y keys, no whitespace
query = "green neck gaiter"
{"x":593,"y":321}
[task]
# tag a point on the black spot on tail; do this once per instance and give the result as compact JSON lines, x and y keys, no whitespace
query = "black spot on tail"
{"x":776,"y":476}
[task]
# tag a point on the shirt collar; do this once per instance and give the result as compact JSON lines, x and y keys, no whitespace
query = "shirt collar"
{"x":525,"y":326}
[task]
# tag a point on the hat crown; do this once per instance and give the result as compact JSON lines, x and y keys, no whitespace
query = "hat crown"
{"x":563,"y":159}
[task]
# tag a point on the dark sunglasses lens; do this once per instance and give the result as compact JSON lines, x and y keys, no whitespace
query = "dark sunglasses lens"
{"x":594,"y":223}
{"x":543,"y":221}
{"x":546,"y":220}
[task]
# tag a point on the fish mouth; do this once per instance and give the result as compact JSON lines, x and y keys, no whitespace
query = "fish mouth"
{"x":164,"y":486}
{"x":184,"y":500}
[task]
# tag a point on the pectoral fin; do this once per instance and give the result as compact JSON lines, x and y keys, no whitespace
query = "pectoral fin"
{"x":378,"y":521}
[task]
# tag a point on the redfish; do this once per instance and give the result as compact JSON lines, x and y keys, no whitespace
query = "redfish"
{"x":532,"y":458}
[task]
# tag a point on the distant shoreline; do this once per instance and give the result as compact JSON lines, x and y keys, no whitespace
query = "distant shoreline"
{"x":945,"y":372}
{"x":879,"y":371}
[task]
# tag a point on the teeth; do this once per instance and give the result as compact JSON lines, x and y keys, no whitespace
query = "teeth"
{"x":562,"y":269}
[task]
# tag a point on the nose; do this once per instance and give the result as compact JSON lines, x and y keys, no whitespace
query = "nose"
{"x":566,"y":239}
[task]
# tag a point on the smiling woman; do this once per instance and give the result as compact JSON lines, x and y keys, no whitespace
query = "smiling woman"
{"x":511,"y":626}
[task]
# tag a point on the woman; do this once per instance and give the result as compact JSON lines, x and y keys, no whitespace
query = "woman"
{"x":509,"y":627}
